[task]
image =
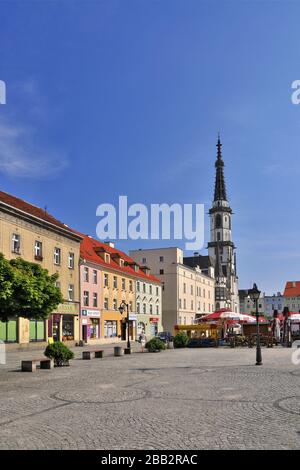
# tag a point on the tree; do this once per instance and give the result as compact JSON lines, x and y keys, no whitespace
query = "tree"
{"x":7,"y":277}
{"x":29,"y":290}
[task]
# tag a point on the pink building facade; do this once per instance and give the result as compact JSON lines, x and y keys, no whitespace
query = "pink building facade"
{"x":90,"y":302}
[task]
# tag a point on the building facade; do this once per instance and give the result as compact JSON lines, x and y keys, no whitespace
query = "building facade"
{"x":247,"y":306}
{"x":292,"y":296}
{"x":120,"y":279}
{"x":31,"y":233}
{"x":187,"y":292}
{"x":221,"y":247}
{"x":90,"y":301}
{"x":274,"y":302}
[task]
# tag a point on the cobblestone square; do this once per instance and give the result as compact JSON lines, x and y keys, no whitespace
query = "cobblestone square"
{"x":177,"y":399}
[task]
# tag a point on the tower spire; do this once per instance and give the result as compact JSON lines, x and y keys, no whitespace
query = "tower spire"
{"x":220,"y":188}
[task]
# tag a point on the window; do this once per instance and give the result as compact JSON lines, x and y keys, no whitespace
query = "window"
{"x":180,"y":303}
{"x":144,"y":308}
{"x":192,"y":305}
{"x":151,"y":309}
{"x":57,"y":256}
{"x":68,"y":326}
{"x":16,"y":243}
{"x":115,"y":304}
{"x":184,"y":288}
{"x":138,"y":286}
{"x":144,"y":287}
{"x":157,"y":291}
{"x":138,"y":307}
{"x":115,"y":282}
{"x":86,"y":298}
{"x":130,"y":286}
{"x":130,"y":306}
{"x":161,"y":271}
{"x":71,"y":260}
{"x":106,"y":280}
{"x":144,"y":260}
{"x":95,"y":299}
{"x":86,"y":274}
{"x":9,"y":331}
{"x":36,"y":330}
{"x":105,"y":303}
{"x":95,"y":276}
{"x":218,"y":221}
{"x":123,"y":283}
{"x":71,"y":292}
{"x":150,"y":289}
{"x":192,"y":290}
{"x":161,"y":259}
{"x":110,"y":329}
{"x":157,"y":310}
{"x":38,"y":252}
{"x":184,"y":303}
{"x":57,"y":284}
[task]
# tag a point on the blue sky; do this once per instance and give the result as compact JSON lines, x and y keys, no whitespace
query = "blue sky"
{"x":127,"y":96}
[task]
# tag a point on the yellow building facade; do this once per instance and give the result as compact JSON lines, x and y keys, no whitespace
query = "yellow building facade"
{"x":31,"y":233}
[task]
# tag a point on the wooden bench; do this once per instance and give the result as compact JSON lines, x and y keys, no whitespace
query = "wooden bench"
{"x":30,"y":365}
{"x":97,"y":354}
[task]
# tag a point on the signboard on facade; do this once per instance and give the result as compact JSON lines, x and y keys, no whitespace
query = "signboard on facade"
{"x":67,"y":309}
{"x":132,"y":317}
{"x":154,"y":320}
{"x":90,"y":313}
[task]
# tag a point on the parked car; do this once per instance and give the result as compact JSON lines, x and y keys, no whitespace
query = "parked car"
{"x":165,"y":336}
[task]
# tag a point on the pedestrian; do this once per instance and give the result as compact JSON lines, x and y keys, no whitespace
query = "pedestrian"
{"x":142,"y":340}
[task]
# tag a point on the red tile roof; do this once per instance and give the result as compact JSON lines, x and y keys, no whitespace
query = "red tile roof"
{"x":88,"y":251}
{"x":32,"y":210}
{"x":292,"y":289}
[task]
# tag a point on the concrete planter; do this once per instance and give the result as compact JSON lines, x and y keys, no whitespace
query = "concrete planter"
{"x":118,"y":351}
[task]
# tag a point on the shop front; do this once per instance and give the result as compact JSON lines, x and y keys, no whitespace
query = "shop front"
{"x":150,"y":326}
{"x":63,"y":324}
{"x":90,"y":324}
{"x":154,"y":324}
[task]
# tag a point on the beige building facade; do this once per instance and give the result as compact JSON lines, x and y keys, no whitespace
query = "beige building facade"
{"x":31,"y":233}
{"x":187,"y":293}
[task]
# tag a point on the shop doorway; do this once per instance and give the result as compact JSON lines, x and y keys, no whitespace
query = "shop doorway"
{"x":84,"y":333}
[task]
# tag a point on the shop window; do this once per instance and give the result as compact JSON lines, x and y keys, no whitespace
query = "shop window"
{"x":110,"y":329}
{"x":68,"y":327}
{"x":36,"y":330}
{"x":8,"y":331}
{"x":94,"y":328}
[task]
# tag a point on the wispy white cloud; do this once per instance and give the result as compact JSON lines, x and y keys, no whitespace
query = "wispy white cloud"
{"x":20,"y":156}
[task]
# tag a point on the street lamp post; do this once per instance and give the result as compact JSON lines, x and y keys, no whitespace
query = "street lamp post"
{"x":122,"y":307}
{"x":254,"y":294}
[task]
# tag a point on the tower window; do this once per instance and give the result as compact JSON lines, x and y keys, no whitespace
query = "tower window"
{"x":218,"y":221}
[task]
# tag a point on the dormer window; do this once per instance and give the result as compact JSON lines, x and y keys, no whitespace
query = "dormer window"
{"x":107,"y":258}
{"x":121,"y":262}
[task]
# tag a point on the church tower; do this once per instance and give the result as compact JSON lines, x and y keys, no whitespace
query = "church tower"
{"x":221,"y":247}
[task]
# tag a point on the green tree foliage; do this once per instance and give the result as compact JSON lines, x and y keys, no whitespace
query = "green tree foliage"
{"x":60,"y":353}
{"x":181,"y":340}
{"x":155,"y":345}
{"x":27,"y":290}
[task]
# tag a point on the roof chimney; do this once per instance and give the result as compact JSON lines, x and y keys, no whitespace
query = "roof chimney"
{"x":109,"y":243}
